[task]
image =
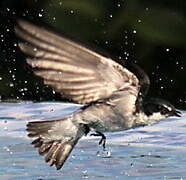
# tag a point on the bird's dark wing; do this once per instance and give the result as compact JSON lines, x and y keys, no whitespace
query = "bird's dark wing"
{"x":78,"y":73}
{"x":142,"y":76}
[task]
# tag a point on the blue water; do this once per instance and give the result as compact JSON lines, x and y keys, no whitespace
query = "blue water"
{"x":156,"y":152}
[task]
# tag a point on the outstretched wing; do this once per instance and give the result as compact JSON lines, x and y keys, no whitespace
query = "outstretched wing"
{"x":78,"y":73}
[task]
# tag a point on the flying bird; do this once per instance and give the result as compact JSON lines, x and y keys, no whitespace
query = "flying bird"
{"x":114,"y":97}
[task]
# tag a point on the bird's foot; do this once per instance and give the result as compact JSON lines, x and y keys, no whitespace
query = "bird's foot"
{"x":102,"y":140}
{"x":103,"y":152}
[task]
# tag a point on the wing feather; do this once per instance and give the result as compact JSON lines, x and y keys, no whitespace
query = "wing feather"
{"x":59,"y":66}
{"x":52,"y":75}
{"x":75,"y":71}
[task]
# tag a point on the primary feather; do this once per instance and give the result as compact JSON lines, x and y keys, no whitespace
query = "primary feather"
{"x":78,"y":73}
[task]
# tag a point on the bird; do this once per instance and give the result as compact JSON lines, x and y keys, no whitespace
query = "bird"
{"x":114,"y":96}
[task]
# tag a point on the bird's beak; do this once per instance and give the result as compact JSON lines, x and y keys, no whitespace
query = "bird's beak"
{"x":177,"y":113}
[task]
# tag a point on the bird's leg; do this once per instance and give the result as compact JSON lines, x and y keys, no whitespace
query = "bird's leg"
{"x":102,"y":140}
{"x":86,"y":129}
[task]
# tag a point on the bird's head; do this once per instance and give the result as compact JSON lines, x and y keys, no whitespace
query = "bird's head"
{"x":157,"y":109}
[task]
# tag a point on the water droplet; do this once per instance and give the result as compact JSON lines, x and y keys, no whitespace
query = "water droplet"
{"x":106,"y":42}
{"x":150,"y":165}
{"x":139,"y":20}
{"x":23,"y":89}
{"x":85,"y":175}
{"x":84,"y":172}
{"x":134,"y":31}
{"x":11,"y":85}
{"x":40,"y":15}
{"x":6,"y":148}
{"x":149,"y":153}
{"x":165,"y":177}
{"x":73,"y":157}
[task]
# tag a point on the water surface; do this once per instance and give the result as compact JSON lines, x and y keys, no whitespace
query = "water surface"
{"x":156,"y":152}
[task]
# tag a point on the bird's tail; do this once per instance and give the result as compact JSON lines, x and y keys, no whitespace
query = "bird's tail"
{"x":55,"y":139}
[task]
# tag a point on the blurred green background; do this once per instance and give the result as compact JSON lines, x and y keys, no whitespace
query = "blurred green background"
{"x":149,"y":33}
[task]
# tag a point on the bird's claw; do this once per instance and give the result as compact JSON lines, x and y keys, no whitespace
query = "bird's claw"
{"x":102,"y":140}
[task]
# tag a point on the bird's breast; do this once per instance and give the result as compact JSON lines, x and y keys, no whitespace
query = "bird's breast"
{"x":105,"y":118}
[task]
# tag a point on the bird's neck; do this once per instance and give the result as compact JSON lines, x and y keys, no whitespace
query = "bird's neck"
{"x":156,"y":116}
{"x":144,"y":119}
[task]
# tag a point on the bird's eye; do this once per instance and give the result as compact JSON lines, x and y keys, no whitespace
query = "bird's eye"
{"x":163,"y":110}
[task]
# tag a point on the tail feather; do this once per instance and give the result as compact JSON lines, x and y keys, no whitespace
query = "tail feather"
{"x":50,"y":157}
{"x":44,"y":148}
{"x":37,"y":142}
{"x":55,"y":139}
{"x":60,"y":159}
{"x":39,"y":127}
